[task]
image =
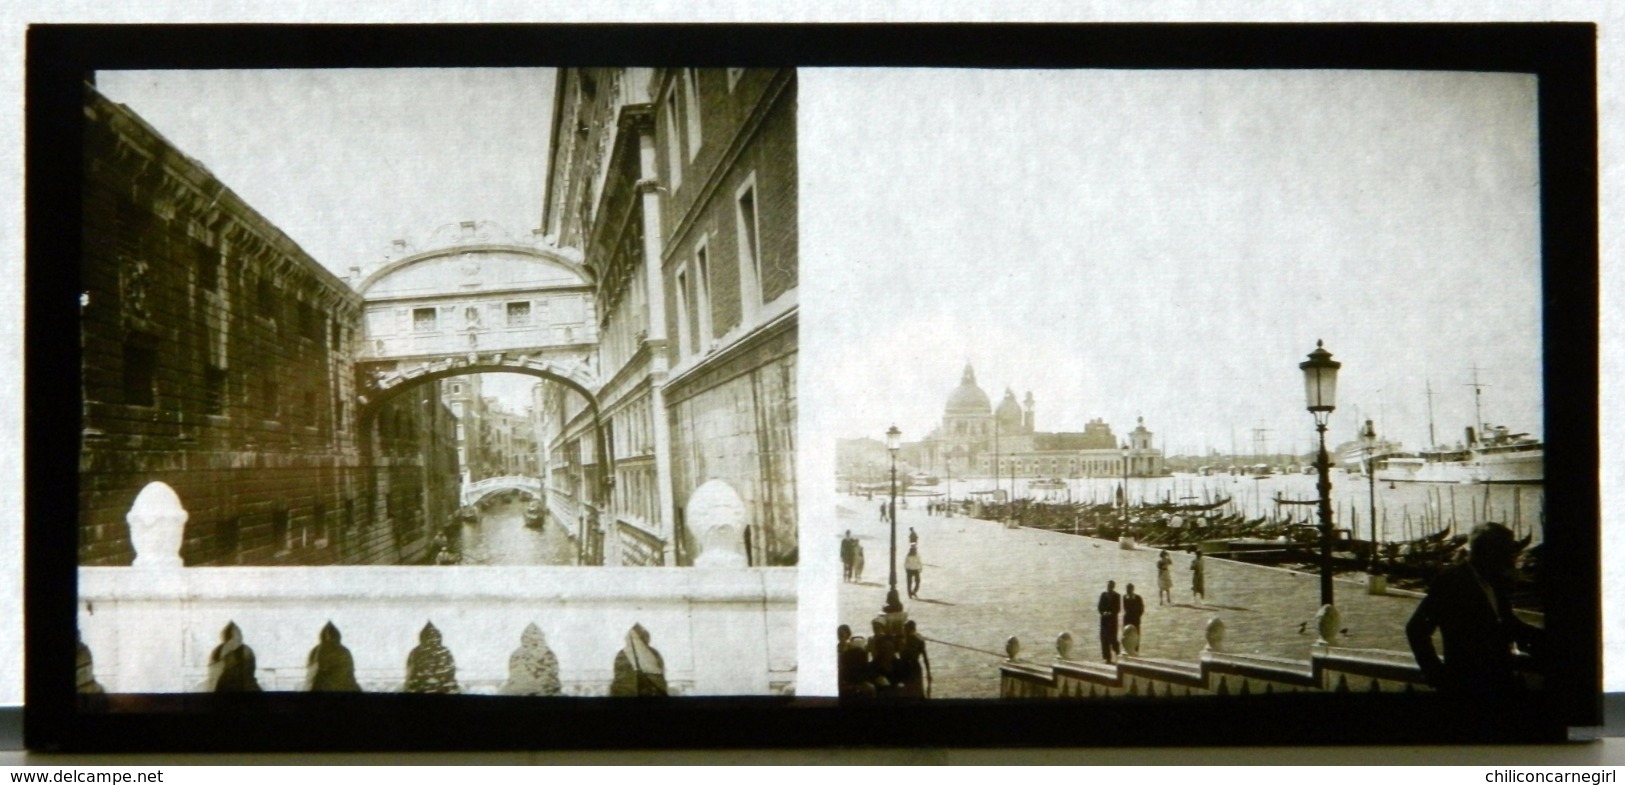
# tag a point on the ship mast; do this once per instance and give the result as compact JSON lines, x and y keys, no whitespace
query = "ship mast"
{"x":1433,"y":444}
{"x":1478,"y":413}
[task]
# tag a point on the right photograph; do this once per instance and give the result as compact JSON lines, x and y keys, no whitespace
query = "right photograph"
{"x":1181,"y":383}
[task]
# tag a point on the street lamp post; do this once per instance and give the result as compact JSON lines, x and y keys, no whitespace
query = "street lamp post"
{"x":894,"y":441}
{"x":1369,"y":437}
{"x":1320,"y":391}
{"x":1125,"y":486}
{"x":948,"y":511}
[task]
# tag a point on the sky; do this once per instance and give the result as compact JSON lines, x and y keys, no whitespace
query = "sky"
{"x":345,"y":161}
{"x":1171,"y":244}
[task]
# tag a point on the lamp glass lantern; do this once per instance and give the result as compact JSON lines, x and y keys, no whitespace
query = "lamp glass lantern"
{"x":1320,"y":381}
{"x":894,"y":439}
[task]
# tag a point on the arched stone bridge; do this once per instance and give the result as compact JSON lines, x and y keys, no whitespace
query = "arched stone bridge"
{"x":475,"y":491}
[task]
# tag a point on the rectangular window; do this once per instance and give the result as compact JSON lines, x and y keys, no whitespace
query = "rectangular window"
{"x":750,"y":270}
{"x":140,"y":371}
{"x":208,"y":267}
{"x":214,"y":390}
{"x":691,"y":96}
{"x":682,"y":313}
{"x":310,"y":322}
{"x":674,"y":144}
{"x":273,"y":400}
{"x":333,"y":335}
{"x":309,"y":410}
{"x":518,"y":314}
{"x":265,"y":298}
{"x":702,"y":295}
{"x":423,"y":320}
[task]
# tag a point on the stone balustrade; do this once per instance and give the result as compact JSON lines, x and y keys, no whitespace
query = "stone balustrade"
{"x":150,"y":627}
{"x":1330,"y":668}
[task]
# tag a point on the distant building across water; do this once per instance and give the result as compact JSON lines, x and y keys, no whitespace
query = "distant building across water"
{"x":974,"y":439}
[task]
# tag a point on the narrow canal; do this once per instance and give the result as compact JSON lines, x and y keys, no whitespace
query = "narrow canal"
{"x":502,"y":538}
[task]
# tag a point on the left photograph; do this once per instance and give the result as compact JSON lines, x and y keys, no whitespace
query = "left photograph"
{"x":471,"y":381}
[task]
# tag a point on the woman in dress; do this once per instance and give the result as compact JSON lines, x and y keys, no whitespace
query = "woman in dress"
{"x":1165,"y":579}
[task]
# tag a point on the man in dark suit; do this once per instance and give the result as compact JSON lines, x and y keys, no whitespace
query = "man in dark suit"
{"x":1468,"y":604}
{"x":1111,"y":604}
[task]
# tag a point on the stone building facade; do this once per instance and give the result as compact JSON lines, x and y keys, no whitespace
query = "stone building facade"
{"x":975,"y":439}
{"x":679,"y":185}
{"x":217,"y":357}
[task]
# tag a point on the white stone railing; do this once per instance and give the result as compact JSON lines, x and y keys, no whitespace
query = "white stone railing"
{"x":151,"y":627}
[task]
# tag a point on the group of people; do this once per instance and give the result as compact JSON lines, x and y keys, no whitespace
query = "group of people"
{"x":943,"y":508}
{"x":891,"y":663}
{"x":1129,"y":608}
{"x":1165,"y":578}
{"x":851,"y":558}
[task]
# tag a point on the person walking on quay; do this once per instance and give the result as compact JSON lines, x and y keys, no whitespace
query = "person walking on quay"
{"x":1111,"y":605}
{"x":913,"y":566}
{"x":1133,"y":608}
{"x":912,"y":680}
{"x":848,"y":551}
{"x":913,"y":539}
{"x":1165,"y":579}
{"x":1198,"y":578}
{"x":857,"y":561}
{"x":1469,"y":604}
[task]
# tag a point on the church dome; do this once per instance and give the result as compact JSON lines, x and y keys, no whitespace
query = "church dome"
{"x":1009,"y":411}
{"x":967,"y":398}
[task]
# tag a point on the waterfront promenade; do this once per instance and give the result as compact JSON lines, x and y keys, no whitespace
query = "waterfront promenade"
{"x":983,"y":583}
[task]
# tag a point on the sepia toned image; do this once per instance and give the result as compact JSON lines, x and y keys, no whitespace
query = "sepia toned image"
{"x":474,"y":381}
{"x":1183,"y":383}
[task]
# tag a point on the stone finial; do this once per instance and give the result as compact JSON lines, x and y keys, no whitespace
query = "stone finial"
{"x":1012,"y":647}
{"x":717,"y":516}
{"x":157,"y":524}
{"x":85,"y":670}
{"x":1131,"y":640}
{"x":1215,"y":635}
{"x":1063,"y":646}
{"x":1328,"y":621}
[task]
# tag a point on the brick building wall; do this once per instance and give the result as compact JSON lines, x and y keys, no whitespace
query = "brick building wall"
{"x":731,"y":257}
{"x":216,"y":358}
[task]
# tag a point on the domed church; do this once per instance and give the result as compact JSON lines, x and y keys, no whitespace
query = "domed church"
{"x":974,"y":437}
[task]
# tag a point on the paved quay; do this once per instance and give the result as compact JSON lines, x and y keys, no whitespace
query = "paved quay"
{"x":983,"y":583}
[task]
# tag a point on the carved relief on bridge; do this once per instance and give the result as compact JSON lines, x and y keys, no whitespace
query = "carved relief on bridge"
{"x":474,"y":288}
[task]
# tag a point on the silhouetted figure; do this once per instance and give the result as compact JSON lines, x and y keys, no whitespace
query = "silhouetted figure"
{"x":1198,"y":578}
{"x":639,"y":670}
{"x":231,"y":664}
{"x":533,"y":669}
{"x":1470,"y":607}
{"x":852,"y":665}
{"x":430,"y":667}
{"x":330,"y":668}
{"x":913,"y":681}
{"x":1133,"y":608}
{"x":848,"y":554}
{"x":1110,"y":606}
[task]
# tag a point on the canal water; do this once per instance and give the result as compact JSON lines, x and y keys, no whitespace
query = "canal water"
{"x":1405,"y":511}
{"x":501,"y":538}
